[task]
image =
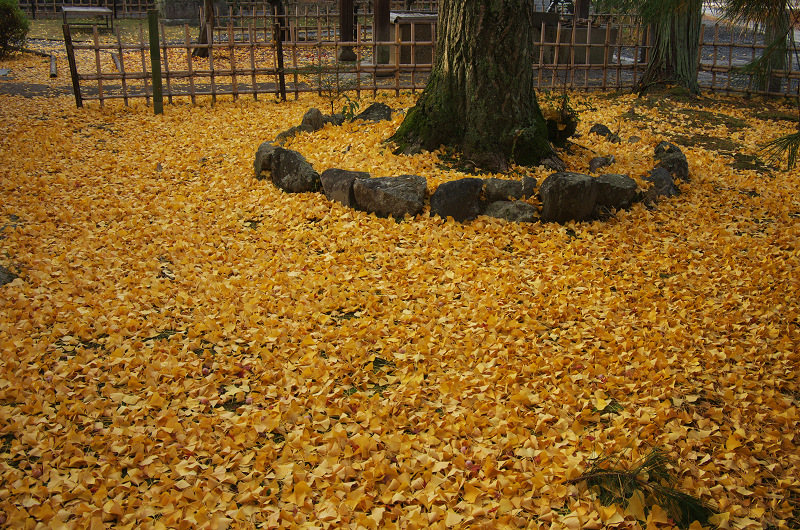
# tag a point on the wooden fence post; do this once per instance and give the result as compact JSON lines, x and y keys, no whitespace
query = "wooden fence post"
{"x":155,"y":62}
{"x":278,"y":36}
{"x":346,"y":53}
{"x":73,"y":68}
{"x":380,"y":30}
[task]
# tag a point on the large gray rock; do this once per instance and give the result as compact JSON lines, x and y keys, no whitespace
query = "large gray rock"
{"x":292,"y":173}
{"x":334,"y":119}
{"x":554,"y":163}
{"x":599,"y":162}
{"x":391,"y":196}
{"x":291,"y":132}
{"x":459,"y":199}
{"x":313,"y":119}
{"x":601,"y":130}
{"x":495,"y":189}
{"x":671,"y":158}
{"x":663,"y":185}
{"x":376,"y":112}
{"x":6,"y":276}
{"x":568,"y":196}
{"x":513,"y":211}
{"x":615,"y":191}
{"x":263,"y":161}
{"x":338,"y":185}
{"x":528,"y":187}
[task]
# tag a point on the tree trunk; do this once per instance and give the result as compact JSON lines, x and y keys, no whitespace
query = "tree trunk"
{"x":480,"y":96}
{"x":206,"y":26}
{"x":776,"y":32}
{"x":673,"y":58}
{"x":279,"y":12}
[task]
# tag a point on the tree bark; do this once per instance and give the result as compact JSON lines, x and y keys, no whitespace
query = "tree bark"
{"x":481,"y":94}
{"x":206,"y":25}
{"x":777,"y":27}
{"x":673,"y":58}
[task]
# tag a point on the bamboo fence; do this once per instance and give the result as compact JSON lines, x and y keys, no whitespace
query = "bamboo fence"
{"x":52,"y":8}
{"x":260,"y":54}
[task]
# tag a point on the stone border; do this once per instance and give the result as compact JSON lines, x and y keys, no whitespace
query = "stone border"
{"x":565,"y":196}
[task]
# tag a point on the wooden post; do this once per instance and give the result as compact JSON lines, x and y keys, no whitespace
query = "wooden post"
{"x":252,"y":42}
{"x":141,"y":48}
{"x":279,"y":52}
{"x":346,"y":20}
{"x":381,"y":30}
{"x":121,"y":66}
{"x":73,"y":68}
{"x":210,"y":39}
{"x":346,"y":53}
{"x":166,"y":60}
{"x":98,"y":65}
{"x":581,"y":9}
{"x":155,"y":62}
{"x":189,"y":67}
{"x":232,"y":54}
{"x":53,"y":67}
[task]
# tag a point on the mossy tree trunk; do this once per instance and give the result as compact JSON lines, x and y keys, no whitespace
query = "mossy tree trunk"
{"x":480,"y":97}
{"x":673,"y":58}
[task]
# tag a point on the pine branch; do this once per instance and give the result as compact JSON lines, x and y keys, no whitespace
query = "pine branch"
{"x":761,"y":68}
{"x":651,"y":476}
{"x":788,"y":146}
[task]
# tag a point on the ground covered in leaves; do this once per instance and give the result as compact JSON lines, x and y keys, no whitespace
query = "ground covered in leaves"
{"x":186,"y":346}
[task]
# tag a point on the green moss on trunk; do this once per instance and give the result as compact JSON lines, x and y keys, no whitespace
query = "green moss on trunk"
{"x":481,"y":98}
{"x":675,"y":48}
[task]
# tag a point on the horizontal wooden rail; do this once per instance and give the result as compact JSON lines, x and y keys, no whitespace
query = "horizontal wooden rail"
{"x":609,"y":54}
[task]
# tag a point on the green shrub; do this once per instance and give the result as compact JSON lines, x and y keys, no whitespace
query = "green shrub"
{"x":14,"y":26}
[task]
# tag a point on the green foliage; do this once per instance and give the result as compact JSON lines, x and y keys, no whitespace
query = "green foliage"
{"x":760,"y":67}
{"x":14,"y":26}
{"x":650,"y":10}
{"x":786,"y":146}
{"x":350,"y":107}
{"x":650,"y":479}
{"x":554,"y":101}
{"x":774,"y":16}
{"x":762,"y":12}
{"x":560,"y":115}
{"x":334,"y":83}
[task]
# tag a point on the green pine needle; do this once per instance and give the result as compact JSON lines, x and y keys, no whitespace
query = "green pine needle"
{"x":652,"y":476}
{"x":786,"y":146}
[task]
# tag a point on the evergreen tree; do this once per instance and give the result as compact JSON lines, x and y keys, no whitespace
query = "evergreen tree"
{"x":675,"y":41}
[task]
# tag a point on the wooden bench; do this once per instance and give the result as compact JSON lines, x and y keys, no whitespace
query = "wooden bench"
{"x":86,"y":12}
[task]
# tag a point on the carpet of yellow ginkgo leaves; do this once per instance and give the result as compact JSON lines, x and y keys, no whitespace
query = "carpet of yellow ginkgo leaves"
{"x":186,"y":346}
